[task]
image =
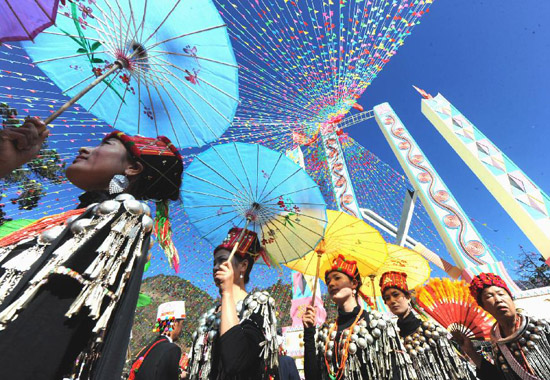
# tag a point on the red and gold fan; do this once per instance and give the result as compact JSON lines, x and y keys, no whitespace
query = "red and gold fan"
{"x":450,"y":303}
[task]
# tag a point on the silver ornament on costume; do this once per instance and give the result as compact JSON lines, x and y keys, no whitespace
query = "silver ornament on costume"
{"x":262,"y":299}
{"x":212,"y":335}
{"x":352,"y":348}
{"x":376,"y":333}
{"x":71,"y":219}
{"x":50,"y":235}
{"x":134,"y":207}
{"x":79,"y":226}
{"x":369,"y":338}
{"x":108,"y":207}
{"x":118,"y":184}
{"x":362,"y":343}
{"x":124,"y":197}
{"x":146,"y":209}
{"x":147,"y":223}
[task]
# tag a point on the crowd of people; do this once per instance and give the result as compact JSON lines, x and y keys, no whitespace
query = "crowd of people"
{"x":69,"y":285}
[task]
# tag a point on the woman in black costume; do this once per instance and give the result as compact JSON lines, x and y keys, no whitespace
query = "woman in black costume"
{"x":360,"y":344}
{"x":428,"y":344}
{"x":71,"y":284}
{"x":236,"y":340}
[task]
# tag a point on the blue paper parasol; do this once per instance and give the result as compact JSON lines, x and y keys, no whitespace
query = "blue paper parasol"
{"x":251,"y":186}
{"x":146,"y":67}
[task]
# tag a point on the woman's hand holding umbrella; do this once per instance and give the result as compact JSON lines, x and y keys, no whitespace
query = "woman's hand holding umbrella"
{"x":308,"y":319}
{"x":20,"y":145}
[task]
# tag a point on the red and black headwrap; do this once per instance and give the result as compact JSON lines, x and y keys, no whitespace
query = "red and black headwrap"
{"x":163,"y":165}
{"x":249,"y":245}
{"x":397,"y":280}
{"x":348,"y":267}
{"x":485,"y":280}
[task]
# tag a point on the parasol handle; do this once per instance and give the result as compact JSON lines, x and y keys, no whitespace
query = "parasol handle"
{"x":316,"y":278}
{"x":238,"y":242}
{"x":116,"y":66}
{"x":373,"y":291}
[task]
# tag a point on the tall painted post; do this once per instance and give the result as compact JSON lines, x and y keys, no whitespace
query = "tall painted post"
{"x":462,"y":240}
{"x":520,"y":197}
{"x":341,"y":183}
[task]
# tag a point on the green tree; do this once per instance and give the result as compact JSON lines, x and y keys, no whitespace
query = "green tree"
{"x":532,"y":270}
{"x":29,"y":179}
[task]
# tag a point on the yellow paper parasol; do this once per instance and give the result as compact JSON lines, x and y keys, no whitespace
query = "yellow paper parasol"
{"x":400,"y":259}
{"x":348,"y":236}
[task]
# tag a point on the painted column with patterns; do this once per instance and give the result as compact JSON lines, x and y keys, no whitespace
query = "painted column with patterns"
{"x":467,"y":247}
{"x":526,"y":203}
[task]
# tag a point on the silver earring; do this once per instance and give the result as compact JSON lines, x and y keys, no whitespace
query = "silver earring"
{"x":241,"y":276}
{"x":118,"y":184}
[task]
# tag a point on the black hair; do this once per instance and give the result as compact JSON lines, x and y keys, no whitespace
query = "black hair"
{"x":160,"y":178}
{"x":238,"y":259}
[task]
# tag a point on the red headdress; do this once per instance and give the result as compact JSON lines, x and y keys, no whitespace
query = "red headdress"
{"x":140,"y":145}
{"x":349,"y":267}
{"x":485,"y":280}
{"x":396,"y":280}
{"x":249,"y":245}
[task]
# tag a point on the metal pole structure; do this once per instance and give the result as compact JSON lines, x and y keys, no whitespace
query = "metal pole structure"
{"x":406,"y":216}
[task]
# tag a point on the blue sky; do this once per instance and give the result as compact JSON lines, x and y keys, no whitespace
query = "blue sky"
{"x":490,"y":59}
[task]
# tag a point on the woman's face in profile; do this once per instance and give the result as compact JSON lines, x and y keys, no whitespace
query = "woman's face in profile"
{"x":93,"y":168}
